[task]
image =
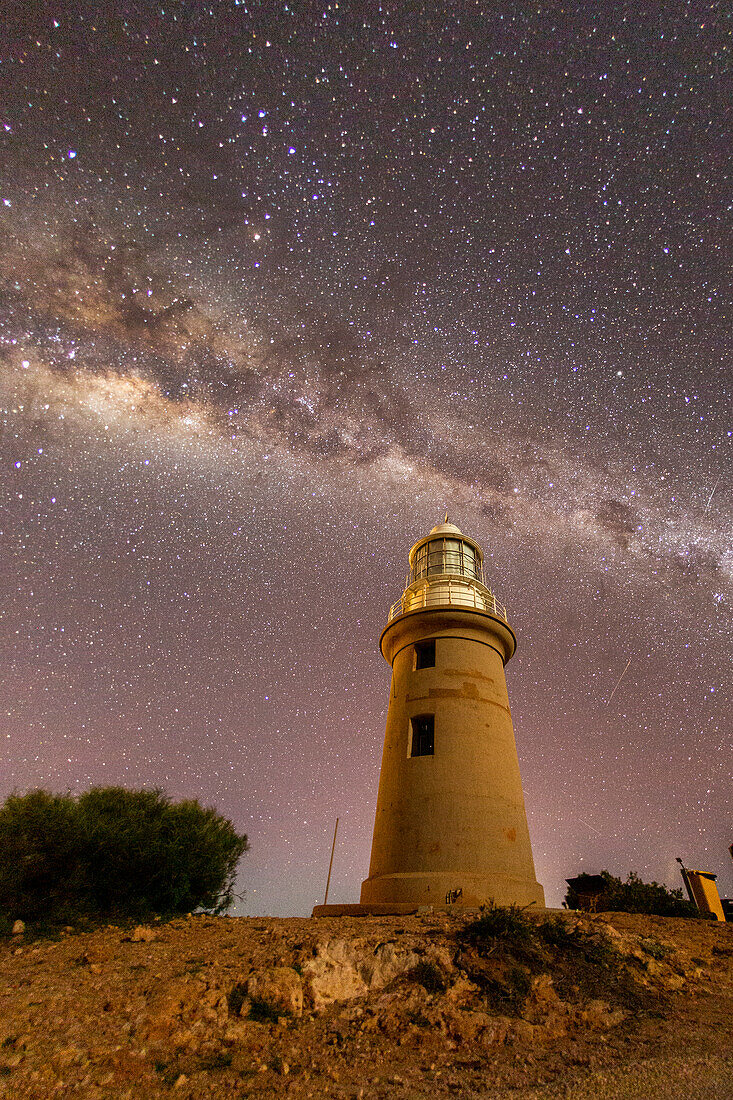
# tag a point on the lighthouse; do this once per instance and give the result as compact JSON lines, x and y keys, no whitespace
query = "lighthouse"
{"x":450,"y":823}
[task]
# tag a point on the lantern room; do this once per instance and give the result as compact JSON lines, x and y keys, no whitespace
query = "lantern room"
{"x":446,"y":552}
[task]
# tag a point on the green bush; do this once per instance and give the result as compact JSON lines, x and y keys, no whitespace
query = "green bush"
{"x":635,"y":896}
{"x":499,"y":924}
{"x":113,"y":853}
{"x":506,"y":931}
{"x":507,"y":946}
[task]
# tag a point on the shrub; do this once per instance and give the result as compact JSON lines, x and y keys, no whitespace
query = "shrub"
{"x":635,"y":896}
{"x":113,"y":853}
{"x":555,"y":931}
{"x":505,"y":948}
{"x":501,"y":934}
{"x":500,"y":925}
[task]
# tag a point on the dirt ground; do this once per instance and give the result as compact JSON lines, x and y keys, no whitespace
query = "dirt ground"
{"x":622,"y":1006}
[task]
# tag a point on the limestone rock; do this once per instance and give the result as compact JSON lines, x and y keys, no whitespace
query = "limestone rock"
{"x":344,"y":969}
{"x":387,"y":962}
{"x":333,"y":974}
{"x":280,"y":988}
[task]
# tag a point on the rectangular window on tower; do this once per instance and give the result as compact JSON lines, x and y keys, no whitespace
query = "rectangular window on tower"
{"x":425,"y":654}
{"x":422,"y":741}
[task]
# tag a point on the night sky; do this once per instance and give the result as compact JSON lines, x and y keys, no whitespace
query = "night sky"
{"x":281,"y":284}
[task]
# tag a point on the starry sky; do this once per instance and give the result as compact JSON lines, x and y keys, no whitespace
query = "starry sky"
{"x":281,"y":283}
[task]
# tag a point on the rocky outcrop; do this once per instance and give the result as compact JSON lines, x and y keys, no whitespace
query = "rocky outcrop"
{"x":342,"y":969}
{"x":215,"y":1007}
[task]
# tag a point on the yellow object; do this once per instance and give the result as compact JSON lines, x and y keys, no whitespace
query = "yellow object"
{"x":450,"y":824}
{"x":705,"y":892}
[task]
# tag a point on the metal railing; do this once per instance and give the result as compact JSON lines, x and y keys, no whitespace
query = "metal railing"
{"x":448,"y":593}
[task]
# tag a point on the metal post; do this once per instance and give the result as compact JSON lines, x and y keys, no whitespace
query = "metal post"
{"x":333,"y":847}
{"x":686,"y":880}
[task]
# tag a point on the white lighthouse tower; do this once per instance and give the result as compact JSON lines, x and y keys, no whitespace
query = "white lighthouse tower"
{"x":450,"y":821}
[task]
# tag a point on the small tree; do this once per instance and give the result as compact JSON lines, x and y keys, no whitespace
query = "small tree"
{"x":635,"y":896}
{"x":114,"y":852}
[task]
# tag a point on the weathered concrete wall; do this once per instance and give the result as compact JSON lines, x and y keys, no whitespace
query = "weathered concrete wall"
{"x":456,"y":819}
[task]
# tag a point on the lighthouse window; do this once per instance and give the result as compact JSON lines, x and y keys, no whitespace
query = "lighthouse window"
{"x":453,"y":562}
{"x":436,"y":562}
{"x":423,"y":735}
{"x":425,"y":654}
{"x":470,"y":566}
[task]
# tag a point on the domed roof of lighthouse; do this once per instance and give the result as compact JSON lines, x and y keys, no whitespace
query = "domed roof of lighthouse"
{"x":446,"y":529}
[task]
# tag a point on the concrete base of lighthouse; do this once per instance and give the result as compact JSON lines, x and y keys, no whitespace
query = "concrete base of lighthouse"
{"x":403,"y":894}
{"x":358,"y":910}
{"x":437,"y":887}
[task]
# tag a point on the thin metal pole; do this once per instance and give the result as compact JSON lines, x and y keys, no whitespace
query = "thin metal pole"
{"x":333,"y":848}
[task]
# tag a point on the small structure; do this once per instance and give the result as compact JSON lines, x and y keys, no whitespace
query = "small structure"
{"x":702,"y":891}
{"x":587,"y":892}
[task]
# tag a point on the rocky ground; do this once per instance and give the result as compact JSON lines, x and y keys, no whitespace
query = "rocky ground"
{"x":608,"y":1006}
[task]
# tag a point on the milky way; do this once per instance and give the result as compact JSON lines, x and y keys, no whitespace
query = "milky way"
{"x":280,"y":285}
